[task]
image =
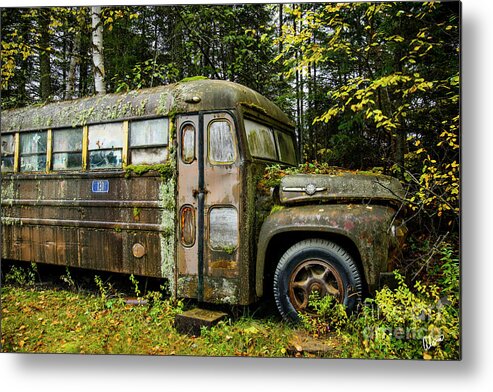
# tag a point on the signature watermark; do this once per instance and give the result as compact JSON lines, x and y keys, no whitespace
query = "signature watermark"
{"x":430,"y":335}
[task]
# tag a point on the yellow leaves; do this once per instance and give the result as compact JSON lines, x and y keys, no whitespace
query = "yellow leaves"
{"x":395,"y":38}
{"x":296,"y":12}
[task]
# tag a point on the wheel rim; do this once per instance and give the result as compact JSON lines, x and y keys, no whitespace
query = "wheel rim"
{"x":314,"y":276}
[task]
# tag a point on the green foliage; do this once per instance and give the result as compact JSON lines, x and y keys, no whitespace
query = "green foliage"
{"x":67,"y":278}
{"x":246,"y":337}
{"x":58,"y":321}
{"x":148,"y":73}
{"x":22,"y":276}
{"x":421,"y":322}
{"x":135,"y":284}
{"x":389,"y":96}
{"x":106,"y":298}
{"x":326,"y":315}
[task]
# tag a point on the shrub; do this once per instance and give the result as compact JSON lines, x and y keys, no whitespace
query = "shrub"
{"x":404,"y":323}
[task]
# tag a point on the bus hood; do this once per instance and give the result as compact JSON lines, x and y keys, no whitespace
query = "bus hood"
{"x":340,"y":187}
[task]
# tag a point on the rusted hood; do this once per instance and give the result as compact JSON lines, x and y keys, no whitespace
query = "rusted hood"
{"x":303,"y":188}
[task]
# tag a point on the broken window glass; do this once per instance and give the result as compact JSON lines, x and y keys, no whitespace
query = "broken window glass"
{"x":8,"y":146}
{"x":221,"y":142}
{"x":67,"y":149}
{"x":33,"y":151}
{"x":105,"y":145}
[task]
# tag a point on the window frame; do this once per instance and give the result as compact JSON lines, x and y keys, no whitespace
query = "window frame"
{"x":34,"y":154}
{"x":275,"y":131}
{"x":233,"y":141}
{"x":209,"y":226}
{"x":54,"y":152}
{"x":182,"y":129}
{"x":12,"y":155}
{"x":164,"y":147}
{"x":117,"y":149}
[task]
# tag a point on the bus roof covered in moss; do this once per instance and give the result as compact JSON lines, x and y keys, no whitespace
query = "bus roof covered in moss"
{"x":191,"y":95}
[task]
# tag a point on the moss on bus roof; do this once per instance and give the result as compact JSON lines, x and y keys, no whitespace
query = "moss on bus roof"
{"x":157,"y":101}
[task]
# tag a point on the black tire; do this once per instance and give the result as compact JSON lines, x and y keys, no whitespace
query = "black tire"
{"x":315,"y":264}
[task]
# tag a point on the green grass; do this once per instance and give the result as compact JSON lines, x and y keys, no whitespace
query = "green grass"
{"x":419,"y":321}
{"x":58,"y":321}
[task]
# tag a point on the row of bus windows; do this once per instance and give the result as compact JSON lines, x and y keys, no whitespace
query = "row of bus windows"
{"x":268,"y":143}
{"x":148,"y":141}
{"x":263,"y":142}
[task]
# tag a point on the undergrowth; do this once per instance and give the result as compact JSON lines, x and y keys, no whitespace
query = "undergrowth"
{"x":410,"y":322}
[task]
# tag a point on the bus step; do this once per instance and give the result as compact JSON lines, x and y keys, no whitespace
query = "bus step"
{"x":190,"y":321}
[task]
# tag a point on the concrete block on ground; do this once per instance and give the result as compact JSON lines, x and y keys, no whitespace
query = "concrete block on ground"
{"x":190,"y":321}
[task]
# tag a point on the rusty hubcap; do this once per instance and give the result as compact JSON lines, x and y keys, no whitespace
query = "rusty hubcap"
{"x":314,"y":276}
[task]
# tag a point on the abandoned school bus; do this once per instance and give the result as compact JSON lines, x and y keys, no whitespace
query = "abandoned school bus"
{"x":162,"y":183}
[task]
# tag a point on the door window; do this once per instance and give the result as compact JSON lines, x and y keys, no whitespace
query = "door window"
{"x":221,"y":143}
{"x":188,"y":143}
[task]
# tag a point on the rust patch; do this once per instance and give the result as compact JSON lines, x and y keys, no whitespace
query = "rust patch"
{"x":223,"y":264}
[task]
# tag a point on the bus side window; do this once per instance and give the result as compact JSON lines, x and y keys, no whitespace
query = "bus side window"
{"x":105,"y":145}
{"x":260,"y":141}
{"x":287,"y":151}
{"x":33,"y":151}
{"x":67,"y":149}
{"x":7,"y":152}
{"x":149,"y":141}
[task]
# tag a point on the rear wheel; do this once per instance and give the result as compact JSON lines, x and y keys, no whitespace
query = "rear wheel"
{"x":315,"y":266}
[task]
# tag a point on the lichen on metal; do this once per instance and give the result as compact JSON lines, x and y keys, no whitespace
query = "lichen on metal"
{"x":159,"y":101}
{"x":301,"y":188}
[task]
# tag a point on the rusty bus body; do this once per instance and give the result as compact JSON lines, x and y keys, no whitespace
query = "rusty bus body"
{"x":162,"y":183}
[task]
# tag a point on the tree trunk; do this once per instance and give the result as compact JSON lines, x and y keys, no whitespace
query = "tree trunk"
{"x":74,"y":60}
{"x":97,"y":51}
{"x":44,"y":55}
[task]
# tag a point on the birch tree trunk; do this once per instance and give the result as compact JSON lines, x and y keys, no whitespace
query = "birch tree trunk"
{"x":97,"y":50}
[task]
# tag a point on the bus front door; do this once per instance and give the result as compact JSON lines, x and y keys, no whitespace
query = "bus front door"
{"x":209,"y":190}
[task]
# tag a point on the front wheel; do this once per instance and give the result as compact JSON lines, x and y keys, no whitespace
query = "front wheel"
{"x":315,"y":266}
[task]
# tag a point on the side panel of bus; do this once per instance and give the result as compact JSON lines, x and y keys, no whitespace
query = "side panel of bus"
{"x":113,"y":220}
